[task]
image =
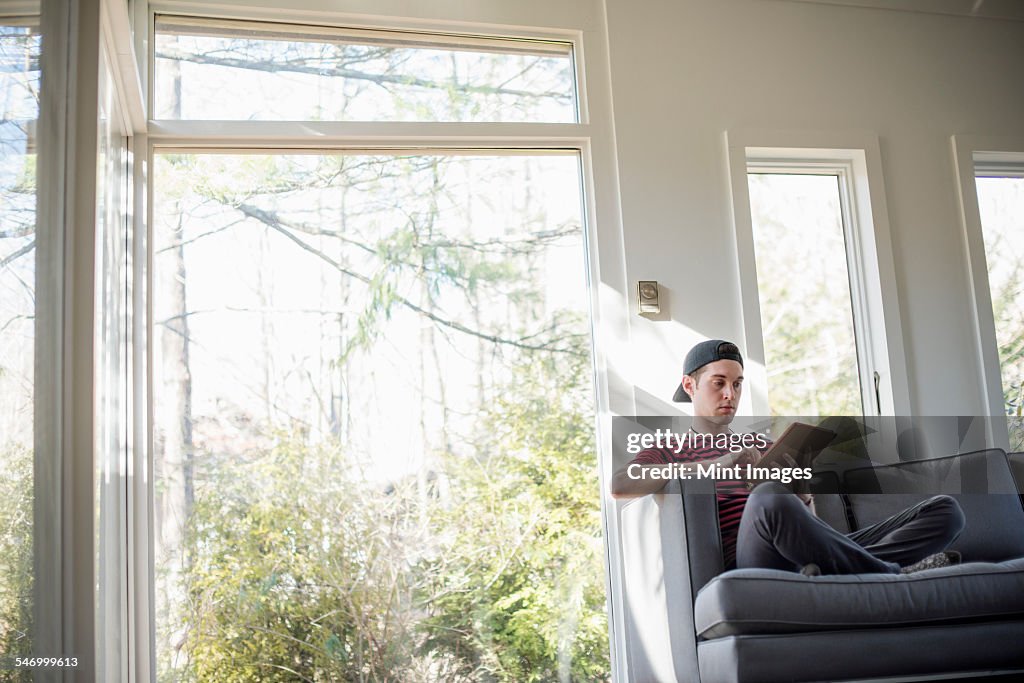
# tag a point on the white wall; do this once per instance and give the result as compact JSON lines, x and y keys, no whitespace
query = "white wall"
{"x":685,"y":71}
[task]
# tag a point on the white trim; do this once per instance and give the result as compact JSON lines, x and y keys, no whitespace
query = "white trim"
{"x":117,"y":37}
{"x":875,"y":295}
{"x":968,"y":150}
{"x":80,"y":357}
{"x":141,"y":617}
{"x":146,"y":668}
{"x":20,"y":14}
{"x":281,"y":30}
{"x":530,"y":19}
{"x":64,"y":563}
{"x":140,"y":27}
{"x":340,"y":134}
{"x":111,"y":377}
{"x":998,"y":165}
{"x":50,"y":516}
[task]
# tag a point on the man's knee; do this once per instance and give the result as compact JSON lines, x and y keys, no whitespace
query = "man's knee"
{"x":950,"y":509}
{"x":770,"y":496}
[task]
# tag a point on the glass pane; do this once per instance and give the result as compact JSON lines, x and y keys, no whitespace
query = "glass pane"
{"x":803,"y":282}
{"x":19,"y":97}
{"x":233,"y":70}
{"x":374,"y":420}
{"x":1001,"y":202}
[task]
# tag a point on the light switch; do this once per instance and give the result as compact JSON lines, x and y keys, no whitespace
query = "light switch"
{"x":647,"y":297}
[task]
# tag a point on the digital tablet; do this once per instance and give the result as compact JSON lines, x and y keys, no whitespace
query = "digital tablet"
{"x":802,"y":442}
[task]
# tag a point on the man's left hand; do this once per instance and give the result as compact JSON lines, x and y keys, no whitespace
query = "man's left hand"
{"x":801,"y":491}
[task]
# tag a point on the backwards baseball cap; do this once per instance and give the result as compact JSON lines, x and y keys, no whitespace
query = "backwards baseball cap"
{"x":700,"y":355}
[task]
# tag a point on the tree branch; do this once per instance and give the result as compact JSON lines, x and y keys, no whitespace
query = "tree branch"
{"x":274,"y":223}
{"x":303,"y":66}
{"x":17,"y":254}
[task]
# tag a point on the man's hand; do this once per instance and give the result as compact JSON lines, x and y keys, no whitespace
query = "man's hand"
{"x":625,"y":486}
{"x":800,"y":488}
{"x":748,"y":456}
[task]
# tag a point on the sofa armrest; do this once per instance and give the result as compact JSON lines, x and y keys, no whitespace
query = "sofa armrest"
{"x":1016,"y":461}
{"x":671,"y":547}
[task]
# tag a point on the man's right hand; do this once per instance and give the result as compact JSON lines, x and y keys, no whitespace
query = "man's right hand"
{"x":748,"y":456}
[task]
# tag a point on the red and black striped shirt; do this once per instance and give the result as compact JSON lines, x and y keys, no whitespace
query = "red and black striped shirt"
{"x":731,"y":493}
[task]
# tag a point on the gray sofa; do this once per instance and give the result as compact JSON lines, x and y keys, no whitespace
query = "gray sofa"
{"x":688,"y":620}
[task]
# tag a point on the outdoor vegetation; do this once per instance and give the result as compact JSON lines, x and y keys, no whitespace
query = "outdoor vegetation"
{"x":374,"y":421}
{"x":804,"y":287}
{"x":1001,"y":203}
{"x":19,"y":87}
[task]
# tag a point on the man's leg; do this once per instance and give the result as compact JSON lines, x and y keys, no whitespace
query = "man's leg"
{"x":777,"y":531}
{"x":917,"y":532}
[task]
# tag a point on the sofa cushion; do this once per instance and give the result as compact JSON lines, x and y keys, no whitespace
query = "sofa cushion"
{"x":980,"y":481}
{"x":768,"y":601}
{"x":917,"y":653}
{"x":829,"y":505}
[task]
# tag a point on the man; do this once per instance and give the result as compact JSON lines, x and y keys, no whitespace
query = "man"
{"x":771,"y":527}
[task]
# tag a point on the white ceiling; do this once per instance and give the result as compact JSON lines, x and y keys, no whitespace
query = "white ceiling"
{"x":991,"y":9}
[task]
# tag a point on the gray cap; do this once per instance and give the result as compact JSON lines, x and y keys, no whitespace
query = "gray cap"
{"x":700,"y":355}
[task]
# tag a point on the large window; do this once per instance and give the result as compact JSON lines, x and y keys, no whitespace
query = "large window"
{"x":1001,"y":207}
{"x":373,"y":390}
{"x":19,"y":108}
{"x":804,"y":287}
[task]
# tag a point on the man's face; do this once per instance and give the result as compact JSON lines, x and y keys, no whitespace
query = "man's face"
{"x":716,"y":390}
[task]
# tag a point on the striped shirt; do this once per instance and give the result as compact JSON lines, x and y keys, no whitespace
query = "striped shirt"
{"x":732,"y":494}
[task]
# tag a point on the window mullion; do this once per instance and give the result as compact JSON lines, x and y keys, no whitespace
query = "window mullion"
{"x":870,"y":400}
{"x":367,"y":135}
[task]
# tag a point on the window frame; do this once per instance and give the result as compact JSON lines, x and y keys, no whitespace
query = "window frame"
{"x":856,"y":159}
{"x":591,"y":137}
{"x":81,"y":41}
{"x":113,"y":369}
{"x":976,"y":156}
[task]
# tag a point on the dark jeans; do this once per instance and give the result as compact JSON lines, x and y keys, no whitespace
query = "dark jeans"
{"x":777,"y":531}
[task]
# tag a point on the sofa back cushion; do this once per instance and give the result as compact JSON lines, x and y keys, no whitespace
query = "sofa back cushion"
{"x":829,"y":504}
{"x":981,"y":481}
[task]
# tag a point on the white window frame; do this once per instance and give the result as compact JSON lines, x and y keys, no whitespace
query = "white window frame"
{"x":53,"y":591}
{"x":581,"y":23}
{"x":77,"y":37}
{"x":855,"y":157}
{"x":975,"y":156}
{"x":117,"y":44}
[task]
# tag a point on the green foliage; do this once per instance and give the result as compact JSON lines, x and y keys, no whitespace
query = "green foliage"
{"x":296,"y":572}
{"x":522,"y":586}
{"x":999,"y":201}
{"x":804,"y":293}
{"x":16,"y":554}
{"x":300,"y":571}
{"x":486,"y":562}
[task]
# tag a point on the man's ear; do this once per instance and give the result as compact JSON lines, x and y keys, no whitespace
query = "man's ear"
{"x":689,"y":385}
